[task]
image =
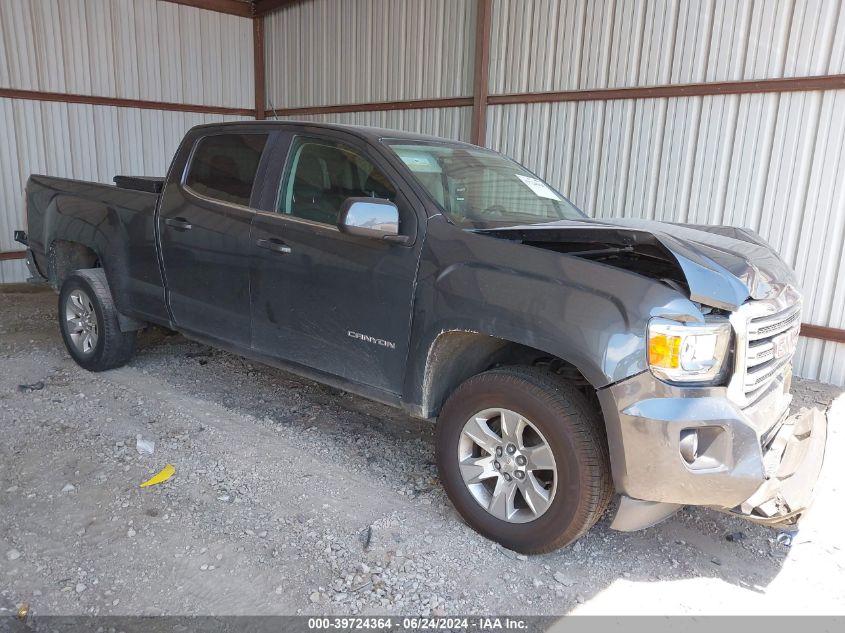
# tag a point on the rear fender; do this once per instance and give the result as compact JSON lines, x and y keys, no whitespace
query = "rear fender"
{"x":73,"y":223}
{"x":69,"y":220}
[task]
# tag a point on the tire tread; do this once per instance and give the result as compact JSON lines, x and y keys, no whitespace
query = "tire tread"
{"x":118,"y":346}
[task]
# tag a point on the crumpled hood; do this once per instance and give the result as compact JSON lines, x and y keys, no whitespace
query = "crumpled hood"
{"x":723,"y":266}
{"x":722,"y":263}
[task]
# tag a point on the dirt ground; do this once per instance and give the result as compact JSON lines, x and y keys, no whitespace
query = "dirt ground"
{"x":294,"y":498}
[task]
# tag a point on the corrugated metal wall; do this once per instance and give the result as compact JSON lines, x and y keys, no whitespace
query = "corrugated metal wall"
{"x":134,"y":49}
{"x":772,"y":162}
{"x":130,"y":49}
{"x":324,"y":52}
{"x":319,"y":53}
{"x":548,"y":45}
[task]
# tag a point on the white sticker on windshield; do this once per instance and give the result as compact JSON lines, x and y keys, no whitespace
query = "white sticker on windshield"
{"x":539,"y":187}
{"x":419,"y":162}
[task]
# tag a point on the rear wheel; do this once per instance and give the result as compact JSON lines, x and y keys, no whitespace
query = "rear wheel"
{"x":89,"y":323}
{"x":523,"y":457}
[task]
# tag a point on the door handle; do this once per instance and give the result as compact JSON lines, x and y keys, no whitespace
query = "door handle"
{"x":180,"y":224}
{"x":273,"y":244}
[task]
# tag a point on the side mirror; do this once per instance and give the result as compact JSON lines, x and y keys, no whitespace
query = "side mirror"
{"x":370,"y":217}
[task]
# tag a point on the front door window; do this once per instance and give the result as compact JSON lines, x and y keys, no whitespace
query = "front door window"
{"x":322,"y":174}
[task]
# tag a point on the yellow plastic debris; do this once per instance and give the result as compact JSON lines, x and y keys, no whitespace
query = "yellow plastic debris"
{"x":166,"y":473}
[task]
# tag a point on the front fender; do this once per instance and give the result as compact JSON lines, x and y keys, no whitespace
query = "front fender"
{"x":589,"y":314}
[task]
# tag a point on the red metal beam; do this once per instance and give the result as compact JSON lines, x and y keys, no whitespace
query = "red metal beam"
{"x":258,"y":75}
{"x":481,"y":73}
{"x":263,"y":7}
{"x":7,"y":255}
{"x":798,"y":84}
{"x":822,"y":332}
{"x":232,"y":7}
{"x":412,"y":104}
{"x":788,"y":84}
{"x":62,"y":97}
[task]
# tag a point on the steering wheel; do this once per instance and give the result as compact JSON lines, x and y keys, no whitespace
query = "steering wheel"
{"x":494,"y":210}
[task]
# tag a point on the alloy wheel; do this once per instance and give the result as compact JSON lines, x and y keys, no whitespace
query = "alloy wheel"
{"x":507,"y":465}
{"x":81,"y":321}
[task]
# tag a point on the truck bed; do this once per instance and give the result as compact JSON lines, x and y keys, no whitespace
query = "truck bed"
{"x":118,"y":223}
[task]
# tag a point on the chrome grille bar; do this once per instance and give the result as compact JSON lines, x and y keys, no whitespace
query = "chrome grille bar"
{"x":770,"y":326}
{"x":760,"y":353}
{"x":757,"y":325}
{"x":760,"y":362}
{"x":761,"y":375}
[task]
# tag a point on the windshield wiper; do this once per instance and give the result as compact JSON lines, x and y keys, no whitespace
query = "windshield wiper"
{"x":611,"y":250}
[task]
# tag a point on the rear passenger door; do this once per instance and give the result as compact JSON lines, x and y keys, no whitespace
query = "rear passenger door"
{"x":204,"y":228}
{"x":324,"y":299}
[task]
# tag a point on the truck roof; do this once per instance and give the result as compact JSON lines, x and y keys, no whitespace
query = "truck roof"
{"x":366,"y":132}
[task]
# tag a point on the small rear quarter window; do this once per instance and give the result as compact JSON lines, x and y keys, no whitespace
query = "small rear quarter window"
{"x":223,"y":166}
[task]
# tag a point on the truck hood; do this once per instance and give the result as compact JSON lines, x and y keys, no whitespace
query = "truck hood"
{"x":720,"y":266}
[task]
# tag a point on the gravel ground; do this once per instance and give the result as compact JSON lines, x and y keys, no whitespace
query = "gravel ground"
{"x":294,"y":498}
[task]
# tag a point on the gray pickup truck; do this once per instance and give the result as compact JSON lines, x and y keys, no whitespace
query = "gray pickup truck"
{"x":568,"y":362}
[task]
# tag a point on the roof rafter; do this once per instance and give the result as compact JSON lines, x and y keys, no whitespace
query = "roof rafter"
{"x":231,"y":7}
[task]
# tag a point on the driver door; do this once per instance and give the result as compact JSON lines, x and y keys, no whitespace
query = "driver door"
{"x":327,"y":300}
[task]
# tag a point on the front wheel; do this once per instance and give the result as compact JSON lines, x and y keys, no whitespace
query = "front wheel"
{"x":523,"y":458}
{"x":89,"y":322}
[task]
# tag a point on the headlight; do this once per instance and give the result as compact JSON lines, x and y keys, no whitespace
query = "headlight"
{"x":688,"y":352}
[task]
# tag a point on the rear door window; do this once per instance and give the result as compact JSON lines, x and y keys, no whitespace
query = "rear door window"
{"x":223,"y":166}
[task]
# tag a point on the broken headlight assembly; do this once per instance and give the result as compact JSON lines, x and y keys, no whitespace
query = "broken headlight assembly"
{"x":689,"y":352}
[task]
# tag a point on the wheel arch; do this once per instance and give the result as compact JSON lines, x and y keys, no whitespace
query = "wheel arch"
{"x":65,"y":257}
{"x":456,"y":355}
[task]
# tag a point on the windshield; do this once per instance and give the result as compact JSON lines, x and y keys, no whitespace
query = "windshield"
{"x":481,"y":189}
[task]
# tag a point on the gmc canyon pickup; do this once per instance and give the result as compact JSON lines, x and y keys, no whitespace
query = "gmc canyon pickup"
{"x":568,"y":362}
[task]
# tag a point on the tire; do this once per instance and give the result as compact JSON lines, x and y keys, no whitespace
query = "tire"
{"x":108,"y":348}
{"x":577,"y":491}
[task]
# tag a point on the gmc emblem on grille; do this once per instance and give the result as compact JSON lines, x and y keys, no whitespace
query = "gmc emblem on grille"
{"x":784,"y":344}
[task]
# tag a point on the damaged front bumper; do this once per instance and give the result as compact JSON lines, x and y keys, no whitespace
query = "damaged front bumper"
{"x":757,"y":462}
{"x":792,"y":463}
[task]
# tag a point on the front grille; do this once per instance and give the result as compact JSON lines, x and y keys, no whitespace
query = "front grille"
{"x":773,"y":325}
{"x":762,"y":337}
